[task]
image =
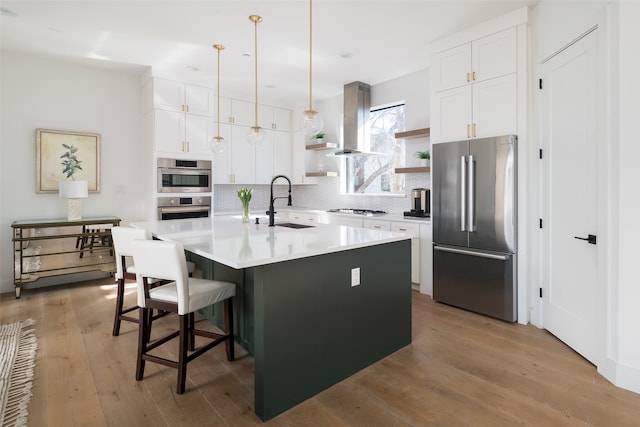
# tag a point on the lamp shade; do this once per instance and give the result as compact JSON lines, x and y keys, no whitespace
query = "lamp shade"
{"x":73,"y":189}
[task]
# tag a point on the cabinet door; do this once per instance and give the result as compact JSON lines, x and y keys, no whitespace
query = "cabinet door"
{"x":298,"y":160}
{"x":168,"y":95}
{"x":243,"y":113}
{"x":169,"y":131}
{"x":226,"y":112}
{"x":282,"y":149}
{"x":374,"y":224}
{"x":222,"y":161}
{"x":199,"y":100}
{"x":495,"y":107}
{"x":452,"y":67}
{"x":282,"y":119}
{"x":265,"y":116}
{"x":345,"y":220}
{"x":451,"y":114}
{"x":414,"y":231}
{"x":198,"y":131}
{"x":426,"y":259}
{"x":494,"y":55}
{"x":264,"y":159}
{"x":242,"y":156}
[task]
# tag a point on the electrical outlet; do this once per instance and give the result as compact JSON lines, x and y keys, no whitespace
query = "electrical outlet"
{"x":355,"y":276}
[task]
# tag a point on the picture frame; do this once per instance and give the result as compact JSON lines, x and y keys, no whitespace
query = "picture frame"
{"x":50,"y":153}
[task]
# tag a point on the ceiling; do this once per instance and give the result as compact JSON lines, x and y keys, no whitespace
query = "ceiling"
{"x":370,"y":41}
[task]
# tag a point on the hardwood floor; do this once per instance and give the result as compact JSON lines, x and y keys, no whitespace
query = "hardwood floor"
{"x":462,"y":369}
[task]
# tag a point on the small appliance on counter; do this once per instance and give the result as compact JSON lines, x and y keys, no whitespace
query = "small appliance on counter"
{"x":420,"y":203}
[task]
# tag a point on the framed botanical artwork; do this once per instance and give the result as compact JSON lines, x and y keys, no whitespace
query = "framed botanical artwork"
{"x":66,"y":155}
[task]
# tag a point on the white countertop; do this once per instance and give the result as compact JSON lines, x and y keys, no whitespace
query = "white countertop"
{"x":225,"y":239}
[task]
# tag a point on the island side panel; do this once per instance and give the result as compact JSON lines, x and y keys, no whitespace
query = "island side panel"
{"x":313,"y":329}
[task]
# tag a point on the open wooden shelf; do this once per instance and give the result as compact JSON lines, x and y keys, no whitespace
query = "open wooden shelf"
{"x":328,"y":173}
{"x":416,"y":133}
{"x":322,"y":146}
{"x":415,"y":169}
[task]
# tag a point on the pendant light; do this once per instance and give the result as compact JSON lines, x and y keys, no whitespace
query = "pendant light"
{"x":256,"y":134}
{"x":311,"y":120}
{"x":217,"y":143}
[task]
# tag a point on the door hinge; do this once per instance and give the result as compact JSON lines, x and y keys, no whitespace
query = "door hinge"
{"x":540,"y":223}
{"x":540,"y":292}
{"x":540,"y":84}
{"x":540,"y":153}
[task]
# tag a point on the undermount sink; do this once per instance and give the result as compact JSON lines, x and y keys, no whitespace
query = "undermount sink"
{"x":292,"y":225}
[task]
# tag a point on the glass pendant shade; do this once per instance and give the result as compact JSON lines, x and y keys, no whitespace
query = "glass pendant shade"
{"x":255,"y":136}
{"x":311,"y":122}
{"x":217,"y":144}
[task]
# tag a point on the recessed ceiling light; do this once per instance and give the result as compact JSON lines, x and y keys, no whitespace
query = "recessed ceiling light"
{"x":7,"y":12}
{"x":56,"y":30}
{"x":345,"y":55}
{"x":246,"y":55}
{"x":193,"y":68}
{"x":270,"y":86}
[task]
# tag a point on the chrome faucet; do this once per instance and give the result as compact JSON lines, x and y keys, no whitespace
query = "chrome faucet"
{"x":271,"y":211}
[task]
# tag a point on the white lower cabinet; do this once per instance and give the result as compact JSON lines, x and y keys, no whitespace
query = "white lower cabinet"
{"x":343,"y":220}
{"x":426,"y":259}
{"x":414,"y":231}
{"x":376,"y":224}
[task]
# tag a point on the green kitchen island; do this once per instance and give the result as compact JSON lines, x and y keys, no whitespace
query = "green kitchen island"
{"x":299,"y":308}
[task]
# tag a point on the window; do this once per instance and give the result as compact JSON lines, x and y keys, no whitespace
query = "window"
{"x":374,"y":174}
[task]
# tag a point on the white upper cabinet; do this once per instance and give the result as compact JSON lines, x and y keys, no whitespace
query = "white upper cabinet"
{"x":176,"y":96}
{"x":451,"y":114}
{"x":486,"y":58}
{"x":494,"y":56}
{"x":452,"y":67}
{"x":495,"y":107}
{"x":179,"y":133}
{"x":281,"y":119}
{"x":476,"y":89}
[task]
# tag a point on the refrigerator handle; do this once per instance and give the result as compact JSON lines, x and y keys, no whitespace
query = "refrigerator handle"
{"x":463,"y":193}
{"x":472,"y":194}
{"x":472,"y":253}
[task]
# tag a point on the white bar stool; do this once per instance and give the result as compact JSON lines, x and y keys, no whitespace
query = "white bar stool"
{"x":160,"y":260}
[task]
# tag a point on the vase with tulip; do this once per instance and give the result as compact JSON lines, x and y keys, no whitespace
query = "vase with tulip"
{"x":244,"y":194}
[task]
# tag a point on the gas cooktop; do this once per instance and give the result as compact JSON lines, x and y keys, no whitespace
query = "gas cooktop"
{"x":364,"y":212}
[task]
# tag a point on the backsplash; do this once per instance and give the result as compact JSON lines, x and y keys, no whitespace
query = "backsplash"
{"x":324,"y":195}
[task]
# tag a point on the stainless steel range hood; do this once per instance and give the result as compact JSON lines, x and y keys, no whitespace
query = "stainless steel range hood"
{"x":357,"y":104}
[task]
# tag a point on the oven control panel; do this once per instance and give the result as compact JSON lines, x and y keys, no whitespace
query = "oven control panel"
{"x":184,"y":201}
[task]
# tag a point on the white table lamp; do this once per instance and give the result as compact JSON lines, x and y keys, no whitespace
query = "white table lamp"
{"x":73,"y":191}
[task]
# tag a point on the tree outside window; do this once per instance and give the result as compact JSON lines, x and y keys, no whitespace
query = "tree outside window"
{"x":374,"y":174}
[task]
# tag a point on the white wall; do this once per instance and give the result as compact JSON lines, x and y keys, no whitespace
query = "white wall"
{"x":41,"y":93}
{"x":555,"y":24}
{"x":625,"y":350}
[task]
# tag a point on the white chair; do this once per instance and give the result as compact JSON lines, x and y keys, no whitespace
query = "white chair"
{"x":160,"y":260}
{"x":125,"y":269}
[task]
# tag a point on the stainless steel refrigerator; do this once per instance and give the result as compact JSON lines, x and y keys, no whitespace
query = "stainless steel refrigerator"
{"x":474,"y":218}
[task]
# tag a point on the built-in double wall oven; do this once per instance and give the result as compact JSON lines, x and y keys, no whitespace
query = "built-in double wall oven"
{"x":184,"y":176}
{"x":184,"y":207}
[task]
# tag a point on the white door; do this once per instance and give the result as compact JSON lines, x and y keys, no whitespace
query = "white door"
{"x":570,"y":197}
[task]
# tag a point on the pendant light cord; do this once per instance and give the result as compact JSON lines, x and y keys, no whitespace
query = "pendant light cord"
{"x":310,"y":55}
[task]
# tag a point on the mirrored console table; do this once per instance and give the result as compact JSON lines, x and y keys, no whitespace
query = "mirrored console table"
{"x":44,"y":248}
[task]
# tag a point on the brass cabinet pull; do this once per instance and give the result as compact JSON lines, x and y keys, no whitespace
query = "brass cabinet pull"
{"x":468,"y":79}
{"x":473,"y":76}
{"x":187,"y":108}
{"x":474,"y":130}
{"x":468,"y":133}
